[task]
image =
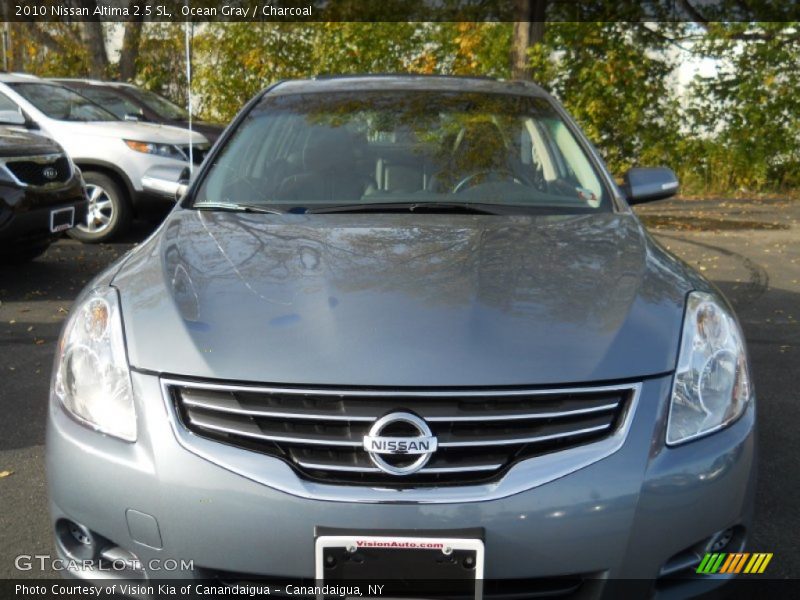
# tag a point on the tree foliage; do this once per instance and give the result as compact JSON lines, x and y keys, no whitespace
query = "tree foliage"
{"x":735,"y":129}
{"x":614,"y":79}
{"x":751,"y":107}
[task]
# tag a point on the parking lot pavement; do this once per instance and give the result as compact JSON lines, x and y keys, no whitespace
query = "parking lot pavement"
{"x":749,"y":249}
{"x":34,"y":300}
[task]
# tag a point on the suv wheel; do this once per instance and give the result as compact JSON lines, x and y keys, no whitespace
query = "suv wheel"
{"x":108,"y":213}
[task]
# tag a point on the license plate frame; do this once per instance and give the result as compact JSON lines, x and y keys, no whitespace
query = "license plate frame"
{"x":62,"y":219}
{"x":449,"y":553}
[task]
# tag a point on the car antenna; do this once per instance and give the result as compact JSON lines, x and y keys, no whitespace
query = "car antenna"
{"x":187,"y":40}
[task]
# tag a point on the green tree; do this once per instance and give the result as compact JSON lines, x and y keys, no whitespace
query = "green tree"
{"x":233,"y":61}
{"x":748,"y":113}
{"x":160,"y":65}
{"x":735,"y":129}
{"x":615,"y":80}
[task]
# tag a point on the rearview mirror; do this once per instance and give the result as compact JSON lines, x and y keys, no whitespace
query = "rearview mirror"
{"x":11,"y":117}
{"x":646,"y":184}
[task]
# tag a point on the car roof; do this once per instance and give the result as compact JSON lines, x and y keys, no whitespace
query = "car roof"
{"x":436,"y":83}
{"x":19,"y":77}
{"x":71,"y":80}
{"x":87,"y":82}
{"x":334,"y":83}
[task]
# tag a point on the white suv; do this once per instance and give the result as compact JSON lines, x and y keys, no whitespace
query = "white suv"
{"x":118,"y":158}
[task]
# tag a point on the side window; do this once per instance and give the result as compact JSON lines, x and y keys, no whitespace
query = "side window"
{"x":7,"y":103}
{"x":541,"y":152}
{"x":10,"y":112}
{"x":576,"y":165}
{"x":109,"y":101}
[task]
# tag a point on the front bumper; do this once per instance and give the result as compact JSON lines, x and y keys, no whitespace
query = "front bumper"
{"x":164,"y":181}
{"x":622,"y":517}
{"x":25,"y":212}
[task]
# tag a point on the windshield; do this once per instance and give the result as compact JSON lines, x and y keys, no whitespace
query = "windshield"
{"x":161,"y":106}
{"x":303,"y":150}
{"x":112,"y":101}
{"x":58,"y":102}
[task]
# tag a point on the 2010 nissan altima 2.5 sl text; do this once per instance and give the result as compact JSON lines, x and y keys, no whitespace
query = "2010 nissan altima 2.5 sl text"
{"x":404,"y":328}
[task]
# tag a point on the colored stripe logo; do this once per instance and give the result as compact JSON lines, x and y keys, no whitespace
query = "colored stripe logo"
{"x":734,"y":563}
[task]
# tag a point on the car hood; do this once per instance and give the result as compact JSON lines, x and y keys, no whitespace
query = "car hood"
{"x":134,"y":130}
{"x":211,"y":130}
{"x":19,"y":142}
{"x":402,"y":299}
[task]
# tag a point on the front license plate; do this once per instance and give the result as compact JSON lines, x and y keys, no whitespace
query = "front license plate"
{"x":404,"y":566}
{"x":62,"y":219}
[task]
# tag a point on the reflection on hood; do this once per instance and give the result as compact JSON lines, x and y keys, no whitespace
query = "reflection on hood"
{"x":402,"y":299}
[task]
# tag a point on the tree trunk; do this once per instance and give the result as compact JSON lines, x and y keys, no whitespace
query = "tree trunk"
{"x":17,"y":55}
{"x":94,"y":38}
{"x":130,"y":49}
{"x":528,"y":31}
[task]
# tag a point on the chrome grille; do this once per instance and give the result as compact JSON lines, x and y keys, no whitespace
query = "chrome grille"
{"x":319,"y":432}
{"x":198,"y":152}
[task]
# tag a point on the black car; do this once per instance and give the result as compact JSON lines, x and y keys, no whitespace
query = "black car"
{"x":127,"y":101}
{"x":41,"y":194}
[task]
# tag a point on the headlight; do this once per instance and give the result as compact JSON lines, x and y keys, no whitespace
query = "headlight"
{"x":166,"y":150}
{"x":92,"y":379}
{"x":712,"y":381}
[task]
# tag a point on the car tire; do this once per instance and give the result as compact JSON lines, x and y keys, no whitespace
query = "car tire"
{"x":109,"y":211}
{"x":22,"y":254}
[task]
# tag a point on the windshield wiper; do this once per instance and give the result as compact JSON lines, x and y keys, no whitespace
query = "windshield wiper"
{"x":444,"y":207}
{"x":238,"y":207}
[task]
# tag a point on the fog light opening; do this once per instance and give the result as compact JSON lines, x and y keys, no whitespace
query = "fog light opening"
{"x":96,"y":553}
{"x":77,"y":541}
{"x":684,"y":563}
{"x":81,"y":534}
{"x":720,"y":541}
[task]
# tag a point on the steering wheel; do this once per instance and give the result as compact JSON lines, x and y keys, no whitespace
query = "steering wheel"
{"x":240,"y":183}
{"x":492,"y":175}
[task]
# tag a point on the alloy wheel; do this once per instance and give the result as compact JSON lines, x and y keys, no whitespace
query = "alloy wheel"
{"x":99,"y":212}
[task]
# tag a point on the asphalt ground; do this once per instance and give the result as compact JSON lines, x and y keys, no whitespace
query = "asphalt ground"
{"x":749,"y":248}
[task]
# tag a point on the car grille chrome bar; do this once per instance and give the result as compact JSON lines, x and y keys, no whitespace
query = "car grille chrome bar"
{"x":320,"y":432}
{"x":273,"y":438}
{"x":205,"y":424}
{"x":525,"y":440}
{"x":230,"y":407}
{"x":393,"y":393}
{"x":349,"y":469}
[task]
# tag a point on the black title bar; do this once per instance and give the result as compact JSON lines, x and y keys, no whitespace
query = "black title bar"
{"x":699,"y":11}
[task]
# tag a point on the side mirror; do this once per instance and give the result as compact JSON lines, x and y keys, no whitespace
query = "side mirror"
{"x":12,"y":117}
{"x":646,"y":184}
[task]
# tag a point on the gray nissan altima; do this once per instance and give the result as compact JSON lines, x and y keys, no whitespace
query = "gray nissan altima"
{"x":402,"y":328}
